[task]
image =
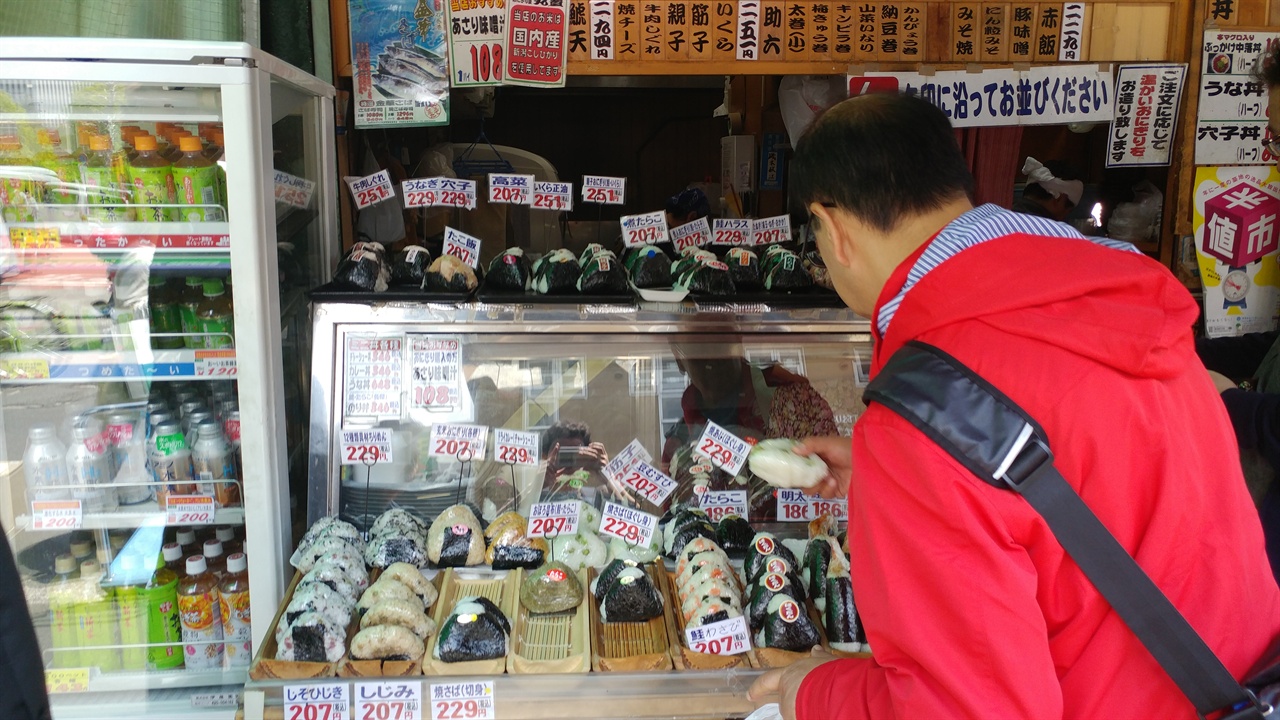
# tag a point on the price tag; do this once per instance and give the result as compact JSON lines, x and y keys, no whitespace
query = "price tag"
{"x":293,"y":190}
{"x":325,"y":701}
{"x":436,"y":378}
{"x":458,"y":442}
{"x":793,"y":506}
{"x":439,"y":192}
{"x":649,"y":482}
{"x":216,"y":363}
{"x":215,"y":700}
{"x":389,"y":700}
{"x":819,"y":506}
{"x":24,"y":369}
{"x":549,"y":519}
{"x":627,"y":524}
{"x":371,"y":376}
{"x":771,"y":231}
{"x":35,"y":238}
{"x":457,"y":700}
{"x":734,"y":232}
{"x":67,"y":680}
{"x":56,"y":515}
{"x":696,"y":233}
{"x":462,"y":246}
{"x":727,"y":637}
{"x":515,"y":447}
{"x":604,"y":190}
{"x":189,"y":510}
{"x":646,"y":229}
{"x":725,"y":450}
{"x":365,"y":446}
{"x":633,"y":453}
{"x":510,"y":189}
{"x":553,"y":196}
{"x":718,"y":504}
{"x":371,"y":190}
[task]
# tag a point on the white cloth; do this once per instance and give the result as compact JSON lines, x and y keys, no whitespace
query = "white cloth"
{"x":1037,"y":173}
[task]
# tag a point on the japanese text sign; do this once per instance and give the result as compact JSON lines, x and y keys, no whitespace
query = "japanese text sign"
{"x":1147,"y":98}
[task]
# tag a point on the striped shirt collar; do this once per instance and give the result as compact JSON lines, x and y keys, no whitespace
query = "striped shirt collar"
{"x":983,"y":223}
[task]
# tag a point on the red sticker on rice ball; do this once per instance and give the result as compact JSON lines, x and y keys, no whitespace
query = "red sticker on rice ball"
{"x":460,"y":529}
{"x":774,"y":581}
{"x":700,"y":490}
{"x":556,"y":575}
{"x":777,"y":565}
{"x":764,"y":546}
{"x":789,"y":611}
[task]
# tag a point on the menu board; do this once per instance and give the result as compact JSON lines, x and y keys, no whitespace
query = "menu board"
{"x":371,"y":376}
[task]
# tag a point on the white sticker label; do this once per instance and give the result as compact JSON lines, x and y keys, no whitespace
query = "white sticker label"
{"x":748,"y":29}
{"x":435,"y":364}
{"x":219,"y":364}
{"x":462,"y":246}
{"x":515,"y":447}
{"x":627,"y":524}
{"x":372,"y":189}
{"x":215,"y":700}
{"x":695,"y":233}
{"x":771,"y":231}
{"x":439,"y":192}
{"x":189,"y":510}
{"x":389,"y":700}
{"x":550,"y":519}
{"x":646,"y":229}
{"x":510,"y":189}
{"x":718,"y":504}
{"x":649,"y":482}
{"x":727,"y":637}
{"x":604,"y":190}
{"x":458,"y":442}
{"x":56,"y":515}
{"x":371,"y":376}
{"x":367,"y":446}
{"x":725,"y":450}
{"x":633,"y":453}
{"x":553,"y":196}
{"x":470,"y":700}
{"x":732,"y":232}
{"x":323,"y":701}
{"x":793,"y":506}
{"x":293,"y":190}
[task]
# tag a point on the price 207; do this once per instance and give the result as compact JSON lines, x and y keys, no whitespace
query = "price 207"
{"x":458,"y":710}
{"x":516,"y":195}
{"x":549,"y":526}
{"x":310,"y":711}
{"x":644,"y":235}
{"x":453,"y":447}
{"x":386,"y":710}
{"x":643,"y":485}
{"x":718,"y":646}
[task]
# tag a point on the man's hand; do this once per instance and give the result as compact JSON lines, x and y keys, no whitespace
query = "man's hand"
{"x":783,"y":684}
{"x":1222,"y":382}
{"x":837,"y":453}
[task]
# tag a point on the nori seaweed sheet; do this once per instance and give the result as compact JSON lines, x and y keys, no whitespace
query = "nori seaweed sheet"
{"x":554,"y":278}
{"x":508,"y":271}
{"x":509,"y":557}
{"x":650,"y":268}
{"x":733,"y":535}
{"x":358,"y":271}
{"x":634,"y":601}
{"x":409,"y":267}
{"x":456,"y":548}
{"x":841,"y":617}
{"x":483,"y":638}
{"x":817,"y":556}
{"x":608,"y":575}
{"x":757,"y":605}
{"x":796,"y":636}
{"x":788,"y":274}
{"x":603,"y":275}
{"x":708,"y":280}
{"x":746,"y":277}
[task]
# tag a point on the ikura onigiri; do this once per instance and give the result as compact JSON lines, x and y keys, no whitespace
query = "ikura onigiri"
{"x":776,"y":462}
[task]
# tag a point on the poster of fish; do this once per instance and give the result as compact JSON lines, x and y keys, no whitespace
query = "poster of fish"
{"x":399,"y":55}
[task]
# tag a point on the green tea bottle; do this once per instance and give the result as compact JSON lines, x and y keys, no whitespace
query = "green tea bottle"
{"x":101,"y":170}
{"x":216,"y":316}
{"x":164,"y":627}
{"x":51,"y":156}
{"x":62,"y":612}
{"x":152,"y":180}
{"x":17,"y":194}
{"x":192,"y":294}
{"x":196,"y":179}
{"x":166,"y":318}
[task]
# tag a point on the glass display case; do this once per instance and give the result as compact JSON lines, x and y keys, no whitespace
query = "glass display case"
{"x":163,"y":206}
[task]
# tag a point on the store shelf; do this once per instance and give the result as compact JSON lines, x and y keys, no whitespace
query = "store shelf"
{"x":168,"y":704}
{"x":53,"y":237}
{"x":137,"y":516}
{"x":99,"y":366}
{"x":118,"y":115}
{"x":164,"y":679}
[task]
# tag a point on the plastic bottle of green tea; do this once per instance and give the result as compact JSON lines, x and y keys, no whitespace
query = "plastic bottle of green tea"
{"x":18,"y":192}
{"x":216,"y":316}
{"x":152,"y":180}
{"x":166,"y":318}
{"x":192,"y":294}
{"x":196,"y":179}
{"x":51,"y":156}
{"x":217,"y":153}
{"x":63,"y":624}
{"x":100,"y":171}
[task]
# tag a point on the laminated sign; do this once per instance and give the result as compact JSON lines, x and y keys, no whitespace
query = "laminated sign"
{"x":401,"y":76}
{"x":536,"y":44}
{"x":477,"y":42}
{"x":1236,"y":214}
{"x":1147,"y":99}
{"x":1231,"y":117}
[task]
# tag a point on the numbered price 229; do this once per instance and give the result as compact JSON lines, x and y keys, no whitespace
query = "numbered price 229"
{"x":513,"y":455}
{"x":458,"y":709}
{"x":364,"y":454}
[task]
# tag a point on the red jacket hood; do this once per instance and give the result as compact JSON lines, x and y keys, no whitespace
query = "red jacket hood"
{"x":1123,"y":310}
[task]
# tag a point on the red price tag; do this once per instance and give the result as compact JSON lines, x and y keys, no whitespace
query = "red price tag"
{"x":627,"y":524}
{"x":514,"y":447}
{"x":56,"y":515}
{"x":189,"y":510}
{"x":216,"y":363}
{"x":727,"y":637}
{"x":388,"y":701}
{"x":371,"y":190}
{"x":550,"y":519}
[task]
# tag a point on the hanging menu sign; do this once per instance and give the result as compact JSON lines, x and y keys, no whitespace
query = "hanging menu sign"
{"x":435,"y":381}
{"x":1021,"y":24}
{"x":536,"y":48}
{"x":601,"y":29}
{"x":748,"y":29}
{"x":604,"y":190}
{"x":477,"y":42}
{"x":1231,"y":118}
{"x":371,"y":376}
{"x":1072,"y":32}
{"x":695,"y":233}
{"x":1147,"y":98}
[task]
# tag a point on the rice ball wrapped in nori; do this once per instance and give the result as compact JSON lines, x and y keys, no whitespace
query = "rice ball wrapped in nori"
{"x":364,"y":268}
{"x":311,"y":637}
{"x":555,"y":273}
{"x":449,"y":274}
{"x":472,"y":632}
{"x":455,"y":538}
{"x":409,"y":266}
{"x":744,"y":269}
{"x":777,"y":463}
{"x":733,"y":534}
{"x":631,"y":597}
{"x":840,"y":615}
{"x":509,"y":271}
{"x":602,"y":274}
{"x":691,"y":258}
{"x":590,"y":251}
{"x":813,"y":573}
{"x":710,"y":278}
{"x":606,"y":576}
{"x":551,"y":588}
{"x":786,"y":626}
{"x":386,"y":550}
{"x":772,"y":256}
{"x":510,"y":546}
{"x":788,"y":274}
{"x":649,"y":267}
{"x":395,"y":521}
{"x":763,"y":546}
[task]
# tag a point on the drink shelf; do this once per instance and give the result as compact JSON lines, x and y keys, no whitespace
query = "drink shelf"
{"x":105,"y":365}
{"x":134,"y":516}
{"x":170,"y":702}
{"x":139,"y":114}
{"x":45,"y":236}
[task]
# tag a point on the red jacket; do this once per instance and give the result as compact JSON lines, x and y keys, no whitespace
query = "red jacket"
{"x":971,"y":606}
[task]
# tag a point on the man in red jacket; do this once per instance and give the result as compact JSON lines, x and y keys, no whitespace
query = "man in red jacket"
{"x":971,"y":607}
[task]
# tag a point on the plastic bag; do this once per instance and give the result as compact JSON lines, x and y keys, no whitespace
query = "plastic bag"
{"x":802,"y":98}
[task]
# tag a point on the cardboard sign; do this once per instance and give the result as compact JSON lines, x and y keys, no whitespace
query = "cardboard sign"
{"x":1147,"y":99}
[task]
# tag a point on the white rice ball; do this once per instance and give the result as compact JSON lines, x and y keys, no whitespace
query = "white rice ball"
{"x":776,"y":462}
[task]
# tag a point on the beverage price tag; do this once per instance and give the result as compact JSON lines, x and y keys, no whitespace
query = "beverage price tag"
{"x":436,"y":379}
{"x":735,"y":232}
{"x":458,"y":442}
{"x":439,"y":192}
{"x":189,"y":510}
{"x":371,"y":190}
{"x":633,"y":453}
{"x":35,"y":238}
{"x":646,"y":229}
{"x":649,"y":482}
{"x":515,"y":447}
{"x":771,"y":231}
{"x":216,"y":363}
{"x":227,"y":699}
{"x":696,"y":233}
{"x":389,"y":700}
{"x":627,"y":524}
{"x":293,"y":190}
{"x":326,"y":701}
{"x":838,"y":508}
{"x":718,"y":504}
{"x":553,"y":196}
{"x":510,"y":189}
{"x":365,"y":446}
{"x":459,"y":700}
{"x":604,"y":190}
{"x":67,"y":680}
{"x":462,"y":246}
{"x":725,"y":450}
{"x":56,"y":515}
{"x":371,"y":376}
{"x":550,"y":519}
{"x":727,"y":637}
{"x":793,"y":506}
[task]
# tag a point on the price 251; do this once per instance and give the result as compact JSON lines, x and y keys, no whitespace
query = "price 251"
{"x":457,"y":709}
{"x":486,"y":62}
{"x":599,"y":195}
{"x":371,"y":196}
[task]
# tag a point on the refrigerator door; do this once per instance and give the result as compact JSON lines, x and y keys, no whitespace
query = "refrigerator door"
{"x":150,"y":301}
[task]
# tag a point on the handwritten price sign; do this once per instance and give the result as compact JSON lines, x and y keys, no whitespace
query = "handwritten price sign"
{"x":515,"y":447}
{"x":627,"y":524}
{"x":458,"y":442}
{"x":724,"y":449}
{"x":727,"y":637}
{"x":56,"y":515}
{"x":462,"y":701}
{"x":604,"y":190}
{"x":328,"y":701}
{"x":646,"y":229}
{"x":372,"y":189}
{"x":365,"y":446}
{"x":770,"y":231}
{"x":649,"y":482}
{"x":633,"y":453}
{"x":719,"y":504}
{"x":553,"y":196}
{"x":189,"y":510}
{"x":691,"y":235}
{"x":389,"y":701}
{"x":549,"y":519}
{"x":510,"y":189}
{"x":462,"y":246}
{"x":439,"y":192}
{"x":293,"y":190}
{"x":733,"y":232}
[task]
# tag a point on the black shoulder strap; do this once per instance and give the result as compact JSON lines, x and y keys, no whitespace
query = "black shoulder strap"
{"x":1002,"y":445}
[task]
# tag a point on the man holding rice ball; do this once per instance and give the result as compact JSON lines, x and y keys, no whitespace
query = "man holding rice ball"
{"x":971,"y":606}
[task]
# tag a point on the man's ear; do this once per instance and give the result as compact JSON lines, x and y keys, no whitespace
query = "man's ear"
{"x":833,"y":223}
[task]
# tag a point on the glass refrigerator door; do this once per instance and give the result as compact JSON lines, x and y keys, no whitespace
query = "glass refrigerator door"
{"x":126,"y":355}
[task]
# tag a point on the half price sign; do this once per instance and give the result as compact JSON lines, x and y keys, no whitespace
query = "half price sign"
{"x":459,"y":700}
{"x":367,"y":446}
{"x":458,"y":442}
{"x":189,"y":510}
{"x":439,"y":192}
{"x":719,"y":504}
{"x":510,"y":189}
{"x":604,"y":190}
{"x":549,"y":519}
{"x":462,"y":246}
{"x":328,"y":701}
{"x":515,"y":447}
{"x":56,"y":515}
{"x":629,"y":525}
{"x":725,"y":450}
{"x":389,"y":701}
{"x":646,"y":229}
{"x":727,"y":637}
{"x":553,"y":196}
{"x":649,"y":482}
{"x":372,"y":189}
{"x":694,"y":234}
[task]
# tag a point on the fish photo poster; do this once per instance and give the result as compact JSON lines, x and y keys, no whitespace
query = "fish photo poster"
{"x":399,"y":53}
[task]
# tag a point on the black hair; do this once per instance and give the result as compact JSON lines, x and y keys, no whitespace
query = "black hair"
{"x":880,"y":157}
{"x":1060,"y":170}
{"x":1267,"y":70}
{"x":562,"y":430}
{"x":688,"y":201}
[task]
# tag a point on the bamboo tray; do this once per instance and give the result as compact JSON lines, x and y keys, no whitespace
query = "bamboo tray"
{"x":265,"y":665}
{"x":554,"y":643}
{"x":501,"y":587}
{"x":687,"y":659}
{"x":633,"y":647}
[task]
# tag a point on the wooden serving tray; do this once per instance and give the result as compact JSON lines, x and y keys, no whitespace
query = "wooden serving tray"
{"x":265,"y":665}
{"x":554,"y":643}
{"x":686,"y":659}
{"x":501,"y":586}
{"x":633,"y":647}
